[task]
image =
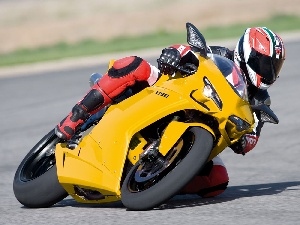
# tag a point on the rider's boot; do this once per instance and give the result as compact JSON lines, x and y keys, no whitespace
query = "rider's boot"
{"x":92,"y":102}
{"x":211,"y":181}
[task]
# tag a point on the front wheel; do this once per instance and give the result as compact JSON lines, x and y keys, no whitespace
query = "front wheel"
{"x":35,"y":183}
{"x":150,"y":183}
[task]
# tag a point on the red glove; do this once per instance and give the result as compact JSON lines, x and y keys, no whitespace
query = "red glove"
{"x":246,"y":143}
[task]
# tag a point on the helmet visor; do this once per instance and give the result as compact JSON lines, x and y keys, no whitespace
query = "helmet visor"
{"x":265,"y":66}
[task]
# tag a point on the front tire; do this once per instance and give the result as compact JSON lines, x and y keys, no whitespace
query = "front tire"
{"x":148,"y":186}
{"x":35,"y":183}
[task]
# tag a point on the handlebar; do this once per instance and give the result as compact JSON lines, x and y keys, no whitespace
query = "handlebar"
{"x":184,"y":70}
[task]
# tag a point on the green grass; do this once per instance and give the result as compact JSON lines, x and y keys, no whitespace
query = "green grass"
{"x":277,"y":23}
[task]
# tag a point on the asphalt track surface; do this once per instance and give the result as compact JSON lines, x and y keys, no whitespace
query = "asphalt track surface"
{"x":264,"y":185}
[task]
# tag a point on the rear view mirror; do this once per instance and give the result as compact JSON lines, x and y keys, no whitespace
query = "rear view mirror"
{"x":266,"y":114}
{"x":196,"y":40}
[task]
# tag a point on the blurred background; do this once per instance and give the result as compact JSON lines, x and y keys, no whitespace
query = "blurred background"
{"x":33,"y":24}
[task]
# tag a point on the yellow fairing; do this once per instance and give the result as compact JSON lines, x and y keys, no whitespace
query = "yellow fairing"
{"x":98,"y":161}
{"x":174,"y":131}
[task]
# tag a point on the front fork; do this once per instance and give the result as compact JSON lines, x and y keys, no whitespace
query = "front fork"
{"x":151,"y":152}
{"x":159,"y":148}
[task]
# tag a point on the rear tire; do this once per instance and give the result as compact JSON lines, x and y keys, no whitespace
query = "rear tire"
{"x":141,"y":193}
{"x":35,"y":183}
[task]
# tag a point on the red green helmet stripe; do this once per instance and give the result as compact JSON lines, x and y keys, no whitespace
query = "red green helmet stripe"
{"x":271,"y":35}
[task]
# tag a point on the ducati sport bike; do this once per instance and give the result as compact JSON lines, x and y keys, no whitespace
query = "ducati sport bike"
{"x":145,"y":149}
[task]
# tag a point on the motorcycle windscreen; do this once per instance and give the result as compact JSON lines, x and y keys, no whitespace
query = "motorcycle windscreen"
{"x":233,"y":74}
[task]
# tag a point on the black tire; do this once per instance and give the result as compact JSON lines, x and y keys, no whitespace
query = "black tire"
{"x":35,"y":183}
{"x":138,"y":193}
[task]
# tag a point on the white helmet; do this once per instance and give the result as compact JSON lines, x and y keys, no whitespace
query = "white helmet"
{"x":260,"y":53}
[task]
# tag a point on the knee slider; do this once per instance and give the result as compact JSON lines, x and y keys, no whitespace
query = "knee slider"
{"x":125,"y":66}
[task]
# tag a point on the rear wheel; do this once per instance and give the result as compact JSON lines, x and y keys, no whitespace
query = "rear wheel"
{"x":35,"y":183}
{"x":150,"y":183}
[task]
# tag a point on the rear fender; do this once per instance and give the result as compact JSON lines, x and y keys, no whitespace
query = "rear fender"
{"x":174,"y":131}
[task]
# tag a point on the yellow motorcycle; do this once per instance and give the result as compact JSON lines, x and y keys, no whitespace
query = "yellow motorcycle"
{"x":146,"y":148}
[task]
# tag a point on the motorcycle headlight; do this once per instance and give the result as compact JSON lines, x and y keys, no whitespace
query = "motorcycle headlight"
{"x":240,"y":124}
{"x":210,"y":92}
